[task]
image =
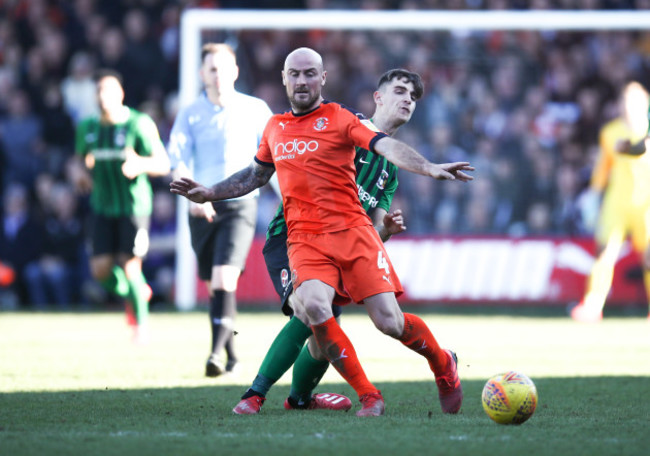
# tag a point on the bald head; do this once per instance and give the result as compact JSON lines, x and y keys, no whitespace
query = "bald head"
{"x":303,"y":76}
{"x":304,"y":55}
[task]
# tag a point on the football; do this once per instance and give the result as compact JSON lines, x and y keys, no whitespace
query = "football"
{"x":509,"y":398}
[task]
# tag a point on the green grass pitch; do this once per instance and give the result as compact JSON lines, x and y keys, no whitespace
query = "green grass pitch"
{"x":74,"y":384}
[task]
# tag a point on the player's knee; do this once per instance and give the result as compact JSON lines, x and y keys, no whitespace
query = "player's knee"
{"x":224,"y":277}
{"x":298,"y":309}
{"x":317,"y":311}
{"x":389,"y":325}
{"x":132,"y":267}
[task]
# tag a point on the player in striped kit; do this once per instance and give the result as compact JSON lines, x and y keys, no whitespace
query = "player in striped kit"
{"x":120,"y":148}
{"x":376,"y":183}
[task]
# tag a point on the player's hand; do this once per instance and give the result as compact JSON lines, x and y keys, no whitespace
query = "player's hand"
{"x":452,"y":171}
{"x":205,"y":210}
{"x":133,"y":164}
{"x":83,"y":182}
{"x":190,"y":189}
{"x":394,"y":222}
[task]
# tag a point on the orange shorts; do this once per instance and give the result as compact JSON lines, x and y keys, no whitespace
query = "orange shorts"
{"x":353,"y":261}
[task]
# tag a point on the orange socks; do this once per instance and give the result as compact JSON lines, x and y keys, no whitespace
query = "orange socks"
{"x":339,"y":350}
{"x":340,"y":353}
{"x":418,"y":338}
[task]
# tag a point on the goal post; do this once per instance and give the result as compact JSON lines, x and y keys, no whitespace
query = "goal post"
{"x":195,"y":21}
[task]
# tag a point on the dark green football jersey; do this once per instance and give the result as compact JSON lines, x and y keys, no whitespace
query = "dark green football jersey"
{"x":113,"y":194}
{"x":376,"y":184}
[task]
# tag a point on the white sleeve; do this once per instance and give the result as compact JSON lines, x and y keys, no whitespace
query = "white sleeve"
{"x":181,"y":141}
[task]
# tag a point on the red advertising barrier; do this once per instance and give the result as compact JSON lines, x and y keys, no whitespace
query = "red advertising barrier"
{"x":489,"y":270}
{"x":506,"y":270}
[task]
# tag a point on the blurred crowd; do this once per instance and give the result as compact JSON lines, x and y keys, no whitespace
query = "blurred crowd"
{"x":523,"y":107}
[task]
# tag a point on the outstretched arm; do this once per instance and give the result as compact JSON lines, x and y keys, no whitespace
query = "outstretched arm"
{"x":239,"y":184}
{"x":405,"y":157}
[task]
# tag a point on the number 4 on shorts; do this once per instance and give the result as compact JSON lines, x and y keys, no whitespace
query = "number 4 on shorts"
{"x":382,"y":263}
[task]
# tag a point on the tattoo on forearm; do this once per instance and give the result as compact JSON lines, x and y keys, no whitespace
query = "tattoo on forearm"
{"x":242,"y":182}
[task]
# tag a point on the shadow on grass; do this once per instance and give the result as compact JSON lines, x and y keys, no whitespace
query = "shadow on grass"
{"x":589,"y":415}
{"x":554,"y":310}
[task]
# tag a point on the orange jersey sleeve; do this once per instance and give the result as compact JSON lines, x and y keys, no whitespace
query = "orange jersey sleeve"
{"x":313,"y":155}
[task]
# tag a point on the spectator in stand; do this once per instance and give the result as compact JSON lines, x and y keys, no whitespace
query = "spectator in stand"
{"x":52,"y":277}
{"x":143,"y":58}
{"x":21,"y":132}
{"x":78,"y":88}
{"x":79,"y":14}
{"x":7,"y":86}
{"x":169,"y":43}
{"x":478,"y":216}
{"x":43,"y":190}
{"x":95,"y":29}
{"x":112,"y":51}
{"x":21,"y":237}
{"x":58,"y":130}
{"x":33,"y":77}
{"x":55,"y":52}
{"x":566,"y":213}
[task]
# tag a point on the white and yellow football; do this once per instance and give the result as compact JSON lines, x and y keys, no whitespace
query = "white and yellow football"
{"x":509,"y":398}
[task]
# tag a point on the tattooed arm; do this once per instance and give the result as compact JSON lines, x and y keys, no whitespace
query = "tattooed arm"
{"x":239,"y":184}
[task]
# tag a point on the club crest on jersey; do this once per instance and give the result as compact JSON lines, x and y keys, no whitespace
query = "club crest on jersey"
{"x":381,"y":182}
{"x":369,"y":125}
{"x":284,"y":278}
{"x":120,"y":138}
{"x":321,"y":123}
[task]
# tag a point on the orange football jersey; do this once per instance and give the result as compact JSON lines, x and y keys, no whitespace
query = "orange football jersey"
{"x":313,"y":155}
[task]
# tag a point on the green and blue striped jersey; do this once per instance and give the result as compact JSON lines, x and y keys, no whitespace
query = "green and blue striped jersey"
{"x":113,"y":194}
